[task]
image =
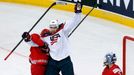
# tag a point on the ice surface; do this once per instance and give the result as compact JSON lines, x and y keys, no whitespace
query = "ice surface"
{"x":90,"y":42}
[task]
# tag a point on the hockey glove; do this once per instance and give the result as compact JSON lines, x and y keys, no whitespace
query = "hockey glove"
{"x":78,"y":7}
{"x":45,"y":48}
{"x":26,"y":36}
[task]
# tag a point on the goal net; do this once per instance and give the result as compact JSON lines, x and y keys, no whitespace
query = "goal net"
{"x":128,"y":55}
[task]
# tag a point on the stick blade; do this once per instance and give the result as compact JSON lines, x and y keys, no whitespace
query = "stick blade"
{"x":61,"y":2}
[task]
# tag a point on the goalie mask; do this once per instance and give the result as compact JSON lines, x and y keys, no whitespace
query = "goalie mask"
{"x":109,"y":59}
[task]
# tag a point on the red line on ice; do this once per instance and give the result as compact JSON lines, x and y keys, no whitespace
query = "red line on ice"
{"x":14,"y":52}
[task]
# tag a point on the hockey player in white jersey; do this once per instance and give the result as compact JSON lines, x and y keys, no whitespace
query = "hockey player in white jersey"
{"x":58,"y":43}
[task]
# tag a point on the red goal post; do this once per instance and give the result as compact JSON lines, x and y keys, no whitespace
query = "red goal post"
{"x":125,"y":38}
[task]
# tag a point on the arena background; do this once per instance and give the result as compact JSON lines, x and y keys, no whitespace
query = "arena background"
{"x":107,"y":11}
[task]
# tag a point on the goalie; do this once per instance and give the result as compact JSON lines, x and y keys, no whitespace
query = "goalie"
{"x":111,"y":68}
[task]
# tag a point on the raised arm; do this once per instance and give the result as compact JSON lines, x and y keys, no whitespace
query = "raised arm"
{"x":71,"y":24}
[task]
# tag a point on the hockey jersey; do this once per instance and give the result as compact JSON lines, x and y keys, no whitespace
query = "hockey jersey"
{"x":37,"y":55}
{"x":114,"y":70}
{"x":58,"y":42}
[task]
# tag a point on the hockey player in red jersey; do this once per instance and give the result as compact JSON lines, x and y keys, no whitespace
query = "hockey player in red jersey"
{"x":111,"y":68}
{"x":39,"y":53}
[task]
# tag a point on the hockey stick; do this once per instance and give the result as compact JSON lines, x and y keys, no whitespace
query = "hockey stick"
{"x":58,"y":2}
{"x":83,"y":19}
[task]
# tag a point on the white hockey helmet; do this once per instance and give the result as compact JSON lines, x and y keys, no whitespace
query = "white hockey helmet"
{"x":110,"y":58}
{"x":54,"y":24}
